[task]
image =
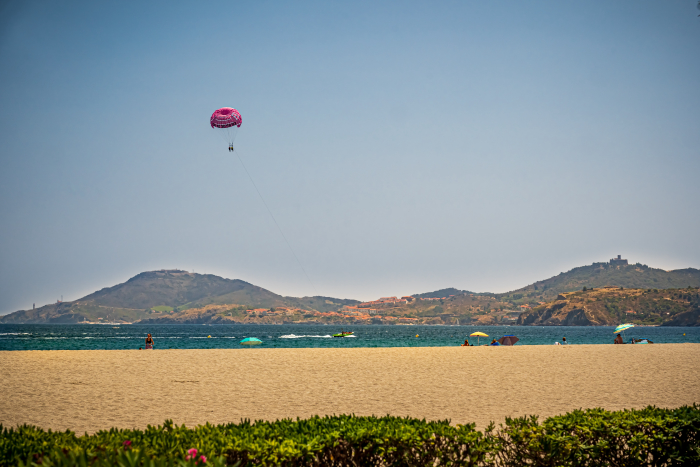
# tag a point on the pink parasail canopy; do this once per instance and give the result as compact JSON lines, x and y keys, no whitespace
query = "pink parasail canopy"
{"x":226,"y":117}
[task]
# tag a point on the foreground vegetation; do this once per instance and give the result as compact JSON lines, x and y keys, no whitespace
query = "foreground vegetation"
{"x":647,"y":437}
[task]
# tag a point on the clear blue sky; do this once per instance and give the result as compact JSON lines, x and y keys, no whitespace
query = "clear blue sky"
{"x":402,"y":146}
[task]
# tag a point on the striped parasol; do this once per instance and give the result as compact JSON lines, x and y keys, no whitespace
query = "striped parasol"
{"x":622,"y":327}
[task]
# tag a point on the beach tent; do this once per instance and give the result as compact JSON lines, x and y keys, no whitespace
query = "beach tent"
{"x":621,"y":328}
{"x":251,"y":341}
{"x":508,"y":339}
{"x":477,"y":335}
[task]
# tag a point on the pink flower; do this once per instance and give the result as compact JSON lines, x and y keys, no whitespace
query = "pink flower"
{"x":203,"y":459}
{"x":127,"y":443}
{"x":191,"y":454}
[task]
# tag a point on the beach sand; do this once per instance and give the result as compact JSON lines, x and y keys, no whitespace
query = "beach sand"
{"x":98,"y":389}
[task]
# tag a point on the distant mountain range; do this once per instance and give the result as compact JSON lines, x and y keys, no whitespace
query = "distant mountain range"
{"x":162,"y":296}
{"x":442,"y":293}
{"x":166,"y":291}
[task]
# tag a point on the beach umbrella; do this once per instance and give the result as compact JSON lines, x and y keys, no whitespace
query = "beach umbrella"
{"x":251,"y":341}
{"x":477,"y":335}
{"x":508,"y":340}
{"x":621,"y":328}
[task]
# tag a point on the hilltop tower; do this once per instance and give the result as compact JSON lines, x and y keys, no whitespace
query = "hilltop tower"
{"x":618,"y":261}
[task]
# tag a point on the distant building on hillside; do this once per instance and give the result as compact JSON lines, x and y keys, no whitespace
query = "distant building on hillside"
{"x":618,"y":261}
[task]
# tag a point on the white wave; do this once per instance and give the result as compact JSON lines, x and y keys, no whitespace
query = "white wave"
{"x":294,"y":336}
{"x":14,"y":333}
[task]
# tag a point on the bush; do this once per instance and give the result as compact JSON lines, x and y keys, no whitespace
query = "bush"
{"x":339,"y":440}
{"x":596,"y":437}
{"x":648,"y":437}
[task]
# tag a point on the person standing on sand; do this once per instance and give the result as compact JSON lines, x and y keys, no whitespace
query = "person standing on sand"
{"x":618,"y":340}
{"x":149,"y":342}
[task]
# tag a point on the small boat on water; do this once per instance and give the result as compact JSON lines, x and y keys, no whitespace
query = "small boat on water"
{"x":343,"y":334}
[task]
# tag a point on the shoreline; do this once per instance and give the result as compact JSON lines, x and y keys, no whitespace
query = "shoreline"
{"x":339,"y":323}
{"x":86,"y":391}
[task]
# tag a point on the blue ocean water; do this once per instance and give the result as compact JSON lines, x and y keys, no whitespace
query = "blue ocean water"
{"x":226,"y":336}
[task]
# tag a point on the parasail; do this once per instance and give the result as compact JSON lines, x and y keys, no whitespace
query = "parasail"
{"x":226,"y":121}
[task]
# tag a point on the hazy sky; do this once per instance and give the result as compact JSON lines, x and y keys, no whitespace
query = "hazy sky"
{"x":402,"y":146}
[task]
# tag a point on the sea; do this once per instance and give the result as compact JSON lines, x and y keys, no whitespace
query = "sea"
{"x":228,"y":336}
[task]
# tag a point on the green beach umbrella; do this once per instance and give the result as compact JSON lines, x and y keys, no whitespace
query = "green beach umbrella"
{"x":251,"y":341}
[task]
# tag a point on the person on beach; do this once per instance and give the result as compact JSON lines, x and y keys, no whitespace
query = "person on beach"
{"x":466,"y":343}
{"x":494,"y":342}
{"x":563,"y":341}
{"x":618,"y":340}
{"x":149,"y":342}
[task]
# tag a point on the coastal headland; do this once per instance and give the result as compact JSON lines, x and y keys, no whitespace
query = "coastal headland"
{"x":87,"y":391}
{"x":596,"y":295}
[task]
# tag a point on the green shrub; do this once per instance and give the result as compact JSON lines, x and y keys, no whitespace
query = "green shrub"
{"x":596,"y":437}
{"x":337,"y":440}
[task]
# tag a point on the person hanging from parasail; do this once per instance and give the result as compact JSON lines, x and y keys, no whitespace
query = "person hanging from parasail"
{"x":226,"y":121}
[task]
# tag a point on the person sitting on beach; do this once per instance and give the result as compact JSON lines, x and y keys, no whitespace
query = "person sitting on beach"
{"x":466,"y":343}
{"x":563,"y":341}
{"x":618,"y":340}
{"x":494,"y":342}
{"x":149,"y":342}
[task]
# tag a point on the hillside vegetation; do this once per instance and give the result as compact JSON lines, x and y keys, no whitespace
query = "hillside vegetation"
{"x":614,"y":305}
{"x":157,"y":294}
{"x":636,"y":276}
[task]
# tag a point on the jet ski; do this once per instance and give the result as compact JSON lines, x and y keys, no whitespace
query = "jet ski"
{"x":343,"y":334}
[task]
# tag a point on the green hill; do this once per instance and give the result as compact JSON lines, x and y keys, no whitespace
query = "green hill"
{"x":597,"y":275}
{"x":157,"y":293}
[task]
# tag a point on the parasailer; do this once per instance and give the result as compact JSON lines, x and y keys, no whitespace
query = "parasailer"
{"x":226,"y":121}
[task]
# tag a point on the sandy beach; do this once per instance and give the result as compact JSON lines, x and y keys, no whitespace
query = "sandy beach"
{"x":96,"y":389}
